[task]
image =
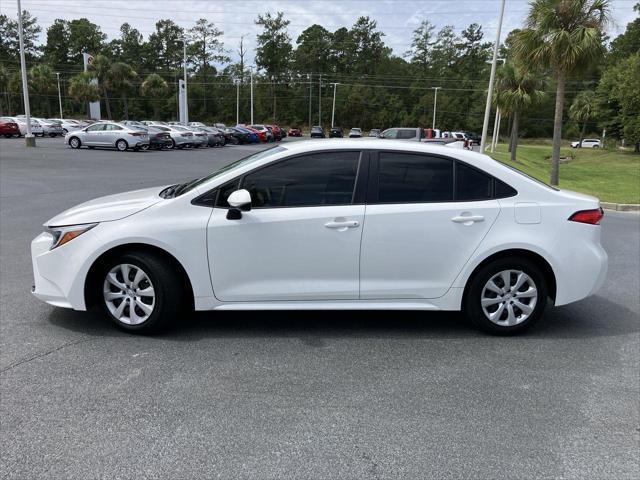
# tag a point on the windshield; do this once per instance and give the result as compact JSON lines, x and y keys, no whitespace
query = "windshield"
{"x":239,"y":163}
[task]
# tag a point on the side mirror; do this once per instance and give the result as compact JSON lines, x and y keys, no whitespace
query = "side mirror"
{"x":239,"y":201}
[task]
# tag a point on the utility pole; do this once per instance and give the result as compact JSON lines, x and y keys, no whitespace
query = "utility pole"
{"x":30,"y":139}
{"x":435,"y":102}
{"x":184,"y":59}
{"x":492,"y":76}
{"x":237,"y":101}
{"x":59,"y":95}
{"x":251,"y":78}
{"x":310,"y":90}
{"x":333,"y":109}
{"x":320,"y":100}
{"x":496,"y":130}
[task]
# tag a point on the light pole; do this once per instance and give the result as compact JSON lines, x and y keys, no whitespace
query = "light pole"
{"x":435,"y":102}
{"x":184,"y":59}
{"x":320,"y":100}
{"x":492,"y":76}
{"x":251,"y":81}
{"x":310,"y":90}
{"x":237,"y":102}
{"x":333,"y":109}
{"x":59,"y":94}
{"x":29,"y":138}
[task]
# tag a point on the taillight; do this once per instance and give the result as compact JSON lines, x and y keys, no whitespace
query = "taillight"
{"x":137,"y":134}
{"x":592,"y":217}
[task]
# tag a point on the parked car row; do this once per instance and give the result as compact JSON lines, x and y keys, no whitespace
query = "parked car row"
{"x":40,"y":127}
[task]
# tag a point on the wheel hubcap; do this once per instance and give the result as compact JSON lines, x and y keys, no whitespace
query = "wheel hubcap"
{"x":509,"y":298}
{"x":129,"y":294}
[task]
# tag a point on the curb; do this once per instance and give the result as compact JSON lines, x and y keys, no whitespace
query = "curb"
{"x":621,"y":207}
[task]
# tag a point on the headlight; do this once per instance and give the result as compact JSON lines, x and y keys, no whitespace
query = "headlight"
{"x":62,"y":235}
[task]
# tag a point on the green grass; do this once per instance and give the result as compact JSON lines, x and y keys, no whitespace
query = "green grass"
{"x":610,"y":175}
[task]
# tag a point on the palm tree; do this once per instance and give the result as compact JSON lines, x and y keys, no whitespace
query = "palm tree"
{"x":155,"y":87}
{"x":41,"y":79}
{"x":82,"y":89}
{"x":563,"y":36}
{"x":516,"y":89}
{"x":582,"y":109}
{"x":121,"y":76}
{"x":100,"y":68}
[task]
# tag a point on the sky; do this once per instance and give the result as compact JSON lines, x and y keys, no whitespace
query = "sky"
{"x":396,"y":18}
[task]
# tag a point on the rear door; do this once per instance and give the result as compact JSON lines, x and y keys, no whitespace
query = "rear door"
{"x":425,"y":216}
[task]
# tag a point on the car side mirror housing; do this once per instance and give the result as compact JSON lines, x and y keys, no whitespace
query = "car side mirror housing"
{"x":239,"y":201}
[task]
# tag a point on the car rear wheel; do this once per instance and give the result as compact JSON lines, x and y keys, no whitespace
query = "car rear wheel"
{"x":122,"y":145}
{"x":141,"y":292}
{"x":74,"y":142}
{"x":506,"y":296}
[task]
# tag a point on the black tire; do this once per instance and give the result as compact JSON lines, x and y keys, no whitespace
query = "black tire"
{"x":122,"y":145}
{"x":173,"y":144}
{"x":74,"y":142}
{"x":472,"y":302}
{"x":167,"y":285}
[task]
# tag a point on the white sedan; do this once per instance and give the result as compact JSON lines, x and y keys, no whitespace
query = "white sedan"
{"x":342,"y":224}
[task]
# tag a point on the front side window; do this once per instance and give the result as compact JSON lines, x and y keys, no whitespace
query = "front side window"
{"x":392,"y":133}
{"x":318,"y":179}
{"x":409,"y":178}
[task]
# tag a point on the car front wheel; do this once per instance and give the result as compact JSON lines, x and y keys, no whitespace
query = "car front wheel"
{"x":141,"y":292}
{"x":506,"y":296}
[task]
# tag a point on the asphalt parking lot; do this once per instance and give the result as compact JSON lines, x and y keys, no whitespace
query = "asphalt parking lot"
{"x":300,"y":395}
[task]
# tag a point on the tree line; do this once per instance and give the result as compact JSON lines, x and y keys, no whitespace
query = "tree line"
{"x":539,"y":86}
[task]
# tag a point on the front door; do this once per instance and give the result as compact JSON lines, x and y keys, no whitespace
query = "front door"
{"x":94,"y":134}
{"x":425,"y":217}
{"x":300,"y":241}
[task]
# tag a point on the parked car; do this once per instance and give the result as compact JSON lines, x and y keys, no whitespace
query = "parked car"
{"x":9,"y":128}
{"x":155,"y":122}
{"x":295,"y":132}
{"x":215,"y":138}
{"x":159,"y":138}
{"x":416,"y":134}
{"x":196,"y":139}
{"x":317,"y":132}
{"x":108,"y":134}
{"x":355,"y":133}
{"x":36,"y":128}
{"x":374,"y":132}
{"x":67,"y":124}
{"x":283,"y":132}
{"x":445,"y":230}
{"x":268,"y":135}
{"x":473,"y":137}
{"x":587,"y":143}
{"x":196,"y":124}
{"x":133,"y":123}
{"x":277,"y":132}
{"x":336,"y":132}
{"x":252,"y":135}
{"x":50,"y":128}
{"x":180,"y":138}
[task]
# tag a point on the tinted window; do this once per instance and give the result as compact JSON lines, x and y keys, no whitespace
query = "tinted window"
{"x":224,"y":192}
{"x":502,"y":190}
{"x":471,"y":184}
{"x":391,"y":133}
{"x":310,"y":180}
{"x":406,"y":133}
{"x":407,"y":178}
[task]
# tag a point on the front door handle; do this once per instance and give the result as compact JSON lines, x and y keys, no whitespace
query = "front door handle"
{"x":468,"y":219}
{"x":342,"y":225}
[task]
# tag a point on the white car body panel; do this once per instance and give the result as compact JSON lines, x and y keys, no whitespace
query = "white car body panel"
{"x":287,"y":259}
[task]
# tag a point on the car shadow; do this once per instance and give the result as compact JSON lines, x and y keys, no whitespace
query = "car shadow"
{"x":594,"y":317}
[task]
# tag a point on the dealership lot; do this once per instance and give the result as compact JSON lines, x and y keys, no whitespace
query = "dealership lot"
{"x":299,"y":394}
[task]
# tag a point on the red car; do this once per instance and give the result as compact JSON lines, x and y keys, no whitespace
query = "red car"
{"x":262,"y":135}
{"x":9,"y":129}
{"x":295,"y":132}
{"x":277,"y":132}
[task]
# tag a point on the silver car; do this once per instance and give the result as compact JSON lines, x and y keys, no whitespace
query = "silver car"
{"x":50,"y":127}
{"x":182,"y":137}
{"x":67,"y":124}
{"x":109,"y":134}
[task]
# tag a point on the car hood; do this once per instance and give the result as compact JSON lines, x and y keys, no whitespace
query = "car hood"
{"x":109,"y":208}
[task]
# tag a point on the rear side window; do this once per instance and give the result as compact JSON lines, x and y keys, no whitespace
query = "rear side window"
{"x":326,"y":178}
{"x":502,"y":190}
{"x":472,"y":184}
{"x":406,"y":134}
{"x":407,"y":178}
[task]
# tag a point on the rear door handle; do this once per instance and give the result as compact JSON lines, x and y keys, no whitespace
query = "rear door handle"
{"x":343,"y":224}
{"x":468,"y":219}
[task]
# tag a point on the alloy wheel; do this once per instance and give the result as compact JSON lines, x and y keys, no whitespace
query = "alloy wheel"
{"x":129,"y":294}
{"x":509,"y":298}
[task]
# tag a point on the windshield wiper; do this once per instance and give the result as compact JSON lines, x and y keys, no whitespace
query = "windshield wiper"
{"x":170,"y":191}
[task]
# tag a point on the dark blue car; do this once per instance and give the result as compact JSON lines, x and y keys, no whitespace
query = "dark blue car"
{"x":253,"y":136}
